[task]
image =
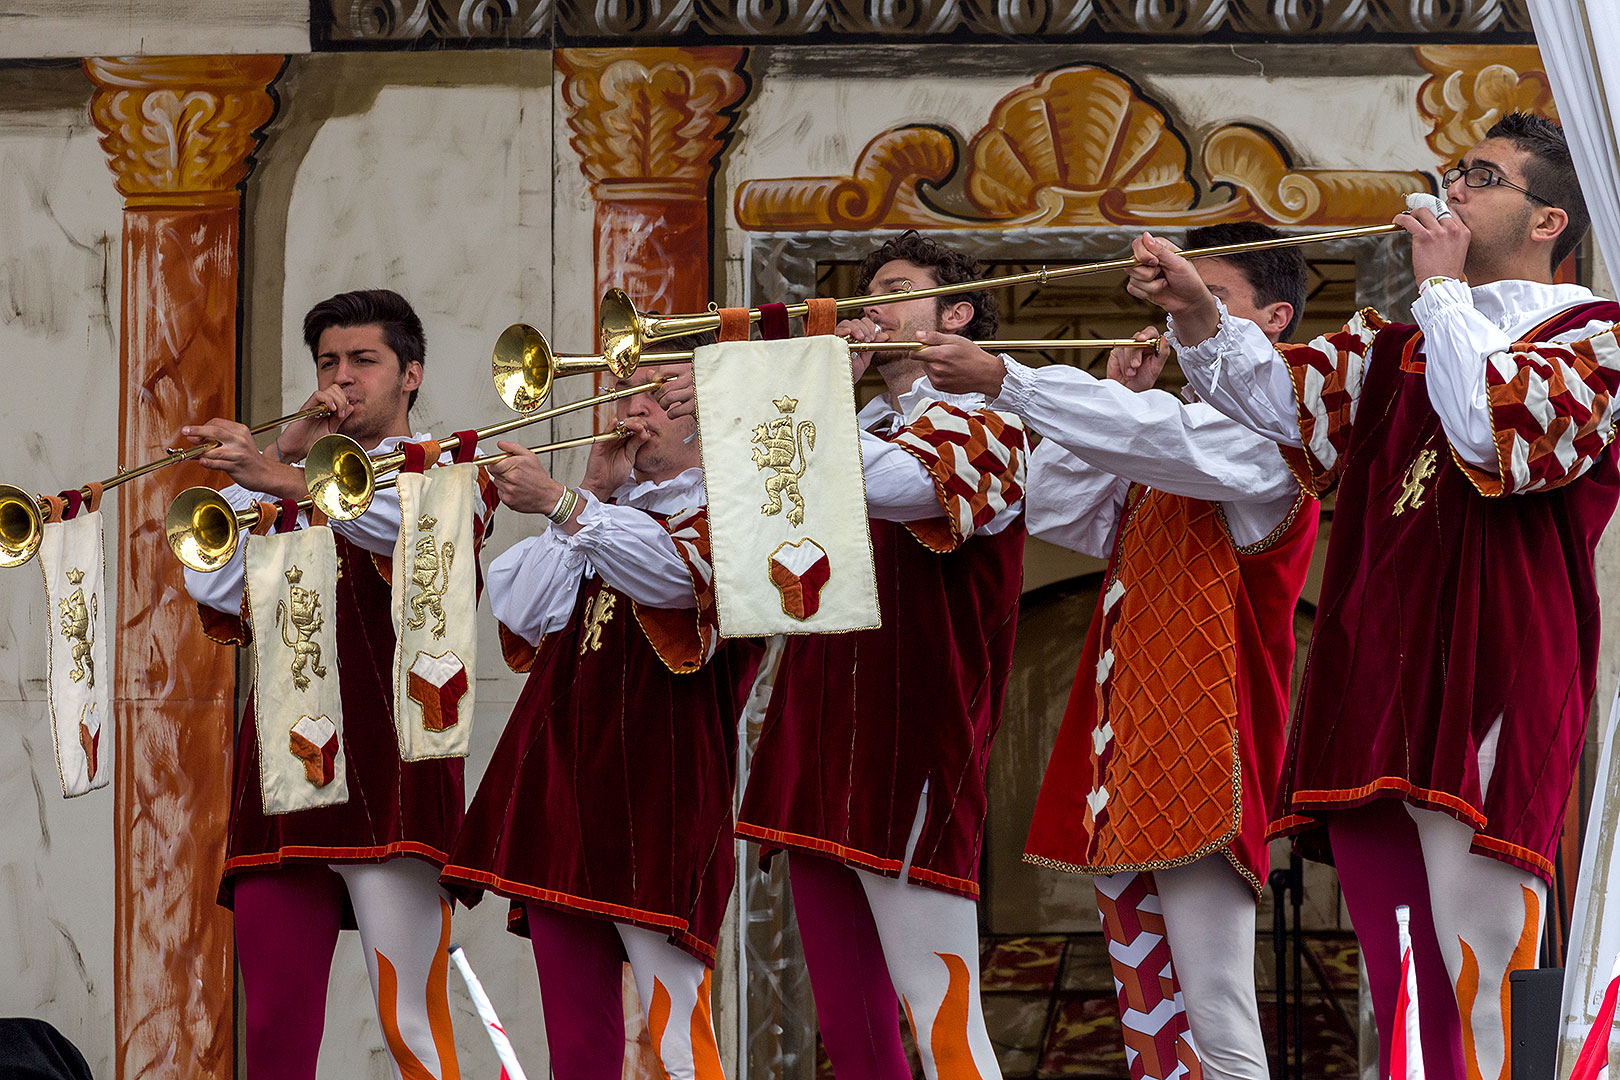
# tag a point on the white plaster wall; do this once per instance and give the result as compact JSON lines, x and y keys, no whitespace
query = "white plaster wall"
{"x":60,"y":223}
{"x":45,"y":28}
{"x":441,"y":192}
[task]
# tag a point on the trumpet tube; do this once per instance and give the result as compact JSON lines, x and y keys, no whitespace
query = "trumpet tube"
{"x":22,"y":516}
{"x":625,"y":332}
{"x":342,"y":477}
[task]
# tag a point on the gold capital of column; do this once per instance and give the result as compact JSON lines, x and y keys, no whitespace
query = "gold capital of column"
{"x":651,"y":116}
{"x":180,"y":131}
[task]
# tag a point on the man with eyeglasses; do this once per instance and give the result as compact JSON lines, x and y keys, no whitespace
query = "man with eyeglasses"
{"x":1454,"y":651}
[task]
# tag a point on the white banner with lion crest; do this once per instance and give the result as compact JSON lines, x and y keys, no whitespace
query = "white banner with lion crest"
{"x":71,"y":556}
{"x":789,"y":540}
{"x":435,"y":612}
{"x":291,"y":602}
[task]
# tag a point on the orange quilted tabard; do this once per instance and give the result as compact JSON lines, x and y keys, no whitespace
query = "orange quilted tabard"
{"x":1170,"y":696}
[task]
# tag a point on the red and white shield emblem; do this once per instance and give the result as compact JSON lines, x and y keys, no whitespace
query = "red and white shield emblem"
{"x":314,"y":741}
{"x":800,"y":571}
{"x":438,"y":683}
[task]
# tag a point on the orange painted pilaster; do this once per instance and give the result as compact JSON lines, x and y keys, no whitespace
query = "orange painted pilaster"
{"x":178,"y":133}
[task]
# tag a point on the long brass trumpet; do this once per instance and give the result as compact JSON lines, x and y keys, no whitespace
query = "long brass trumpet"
{"x":204,"y":530}
{"x":342,"y":477}
{"x":22,"y":516}
{"x":524,"y":360}
{"x":625,"y":332}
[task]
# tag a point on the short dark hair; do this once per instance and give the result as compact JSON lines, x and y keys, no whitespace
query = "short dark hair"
{"x":1277,"y":275}
{"x":1550,"y":173}
{"x":402,"y":330}
{"x":949,"y":267}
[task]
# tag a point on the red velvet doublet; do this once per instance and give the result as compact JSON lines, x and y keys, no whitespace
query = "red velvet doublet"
{"x":1442,"y":610}
{"x":1172,"y":744}
{"x":395,"y":808}
{"x":858,"y":721}
{"x":610,"y":791}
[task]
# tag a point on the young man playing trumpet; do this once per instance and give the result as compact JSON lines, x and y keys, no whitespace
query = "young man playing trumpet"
{"x":870,"y":768}
{"x":1453,"y":657}
{"x":295,"y":879}
{"x":1164,"y":771}
{"x":605,"y":813}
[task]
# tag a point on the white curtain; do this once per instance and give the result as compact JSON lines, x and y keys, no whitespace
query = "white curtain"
{"x":1586,"y":85}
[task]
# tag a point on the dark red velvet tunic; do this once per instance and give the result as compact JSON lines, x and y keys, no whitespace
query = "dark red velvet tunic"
{"x":858,"y":721}
{"x":1439,"y":618}
{"x":395,"y":808}
{"x":610,"y":792}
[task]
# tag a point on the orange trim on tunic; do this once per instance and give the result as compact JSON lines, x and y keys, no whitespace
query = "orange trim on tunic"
{"x":380,"y":853}
{"x":650,"y":920}
{"x":887,"y":867}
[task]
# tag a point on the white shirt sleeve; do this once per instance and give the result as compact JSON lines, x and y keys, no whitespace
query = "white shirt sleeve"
{"x":1070,"y":503}
{"x":898,"y":487}
{"x":534,"y":584}
{"x":1237,"y":370}
{"x":633,"y":552}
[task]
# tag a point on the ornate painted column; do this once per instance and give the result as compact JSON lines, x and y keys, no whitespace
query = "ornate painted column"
{"x":178,"y":133}
{"x":649,"y":125}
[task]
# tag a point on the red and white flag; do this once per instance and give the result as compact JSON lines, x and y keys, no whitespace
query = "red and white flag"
{"x":1593,"y":1061}
{"x":1406,"y":1041}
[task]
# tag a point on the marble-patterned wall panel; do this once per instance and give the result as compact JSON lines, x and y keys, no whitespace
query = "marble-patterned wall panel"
{"x":74,"y":28}
{"x":59,"y":284}
{"x":430,"y":175}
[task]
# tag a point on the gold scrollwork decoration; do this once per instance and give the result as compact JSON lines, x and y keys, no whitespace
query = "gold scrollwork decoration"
{"x":1470,"y":88}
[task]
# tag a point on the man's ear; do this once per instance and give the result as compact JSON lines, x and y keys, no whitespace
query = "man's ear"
{"x":1551,"y":222}
{"x":955,"y":317}
{"x":1278,"y":316}
{"x":413,"y":375}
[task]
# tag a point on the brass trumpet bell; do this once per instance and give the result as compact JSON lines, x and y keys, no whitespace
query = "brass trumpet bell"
{"x":22,"y":526}
{"x":340,"y":476}
{"x":524,"y":368}
{"x":622,"y":331}
{"x":202,"y":529}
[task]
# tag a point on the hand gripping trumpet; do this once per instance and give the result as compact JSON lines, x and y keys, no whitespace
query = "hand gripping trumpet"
{"x":204,"y":530}
{"x":625,"y":332}
{"x":22,"y":516}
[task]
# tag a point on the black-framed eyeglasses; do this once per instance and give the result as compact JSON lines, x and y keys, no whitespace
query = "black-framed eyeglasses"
{"x":1478,"y":176}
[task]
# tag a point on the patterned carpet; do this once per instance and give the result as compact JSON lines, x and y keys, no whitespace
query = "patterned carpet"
{"x":1049,"y":1004}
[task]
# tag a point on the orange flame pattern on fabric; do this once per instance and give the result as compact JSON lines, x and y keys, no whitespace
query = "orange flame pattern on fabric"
{"x":438,"y":1010}
{"x":1524,"y":956}
{"x":953,"y":1057}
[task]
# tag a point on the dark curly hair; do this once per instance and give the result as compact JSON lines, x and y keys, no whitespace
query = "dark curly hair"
{"x":948,"y":266}
{"x":402,"y":330}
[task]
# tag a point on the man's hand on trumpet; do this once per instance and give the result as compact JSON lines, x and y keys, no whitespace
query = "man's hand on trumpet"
{"x":526,"y":486}
{"x":1139,"y":369}
{"x":1164,"y":278}
{"x":856,"y":331}
{"x":294,"y":441}
{"x":1439,"y":243}
{"x":958,"y":366}
{"x":238,"y":455}
{"x":609,"y":466}
{"x":677,"y":397}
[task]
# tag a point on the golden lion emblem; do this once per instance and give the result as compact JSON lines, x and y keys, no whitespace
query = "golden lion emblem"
{"x":779,"y":445}
{"x":424,"y":573}
{"x":77,"y":627}
{"x":303,"y":617}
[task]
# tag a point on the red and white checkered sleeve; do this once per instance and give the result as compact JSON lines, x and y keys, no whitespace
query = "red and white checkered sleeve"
{"x":976,"y":459}
{"x":1552,"y":412}
{"x":1327,"y":374}
{"x":685,"y":643}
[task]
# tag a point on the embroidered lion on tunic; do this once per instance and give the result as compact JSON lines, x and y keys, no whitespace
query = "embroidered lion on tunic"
{"x":303,"y":618}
